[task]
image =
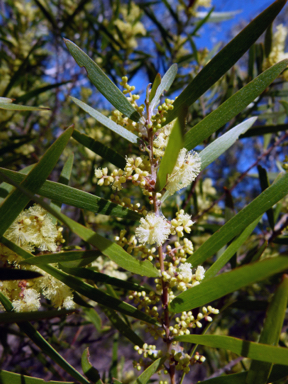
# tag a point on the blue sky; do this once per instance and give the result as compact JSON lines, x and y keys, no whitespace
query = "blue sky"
{"x":213,"y":33}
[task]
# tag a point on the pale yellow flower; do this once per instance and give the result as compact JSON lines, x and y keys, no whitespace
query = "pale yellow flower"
{"x":186,"y":170}
{"x":153,"y":229}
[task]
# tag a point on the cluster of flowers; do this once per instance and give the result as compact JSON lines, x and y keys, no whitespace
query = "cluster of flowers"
{"x":33,"y":229}
{"x":277,"y":51}
{"x":150,"y":239}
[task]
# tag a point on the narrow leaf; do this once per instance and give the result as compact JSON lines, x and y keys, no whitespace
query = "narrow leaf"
{"x":225,"y":59}
{"x":122,"y":327}
{"x":106,"y":122}
{"x":239,"y":222}
{"x":93,"y":316}
{"x":219,"y":146}
{"x":17,"y":201}
{"x":165,"y":85}
{"x":44,"y":346}
{"x":84,"y":288}
{"x":264,"y":129}
{"x":264,"y":183}
{"x":175,"y":144}
{"x":89,"y":371}
{"x":217,"y":17}
{"x":17,"y":274}
{"x":231,"y":107}
{"x":38,"y":91}
{"x":15,"y":107}
{"x":153,"y":368}
{"x":268,"y":41}
{"x":63,"y":257}
{"x":97,"y":277}
{"x":219,"y":286}
{"x":48,"y":15}
{"x":6,"y":188}
{"x":155,"y":85}
{"x":240,"y":347}
{"x":259,"y":371}
{"x":77,"y":198}
{"x":14,"y":317}
{"x":102,"y":82}
{"x":230,"y":251}
{"x":15,"y":378}
{"x":100,"y":149}
{"x":278,"y":372}
{"x":6,"y":100}
{"x":63,"y":179}
{"x":108,"y":248}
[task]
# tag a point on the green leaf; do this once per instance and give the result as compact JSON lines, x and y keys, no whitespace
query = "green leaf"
{"x":219,"y":146}
{"x":219,"y":286}
{"x":244,"y":348}
{"x":89,"y":371}
{"x":44,"y":346}
{"x":17,"y":274}
{"x":110,"y":249}
{"x":25,"y":63}
{"x":264,"y":183}
{"x":107,"y":247}
{"x":38,"y":91}
{"x":217,"y":17}
{"x":231,"y":107}
{"x":281,"y":240}
{"x":6,"y":100}
{"x":155,"y":85}
{"x":48,"y":15}
{"x":84,"y":288}
{"x":100,"y":149}
{"x":69,"y":18}
{"x":259,"y":371}
{"x":203,"y":20}
{"x":236,"y":378}
{"x":75,"y":197}
{"x":6,"y":188}
{"x":17,"y":201}
{"x":67,"y":169}
{"x":264,"y":129}
{"x":90,"y":274}
{"x":278,"y":372}
{"x":268,"y":41}
{"x":239,"y":222}
{"x":165,"y":85}
{"x":102,"y":82}
{"x":15,"y":378}
{"x":113,"y":371}
{"x":93,"y":316}
{"x":230,"y":251}
{"x":153,"y":368}
{"x":225,"y":59}
{"x":122,"y":327}
{"x":284,"y":104}
{"x":106,"y":122}
{"x":63,"y":179}
{"x":15,"y":107}
{"x":63,"y":257}
{"x":14,"y":317}
{"x":175,"y":144}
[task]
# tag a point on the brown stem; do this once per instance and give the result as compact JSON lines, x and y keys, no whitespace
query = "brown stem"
{"x":165,"y":286}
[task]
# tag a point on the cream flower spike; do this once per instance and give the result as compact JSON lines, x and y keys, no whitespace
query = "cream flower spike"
{"x":153,"y":229}
{"x":186,"y":170}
